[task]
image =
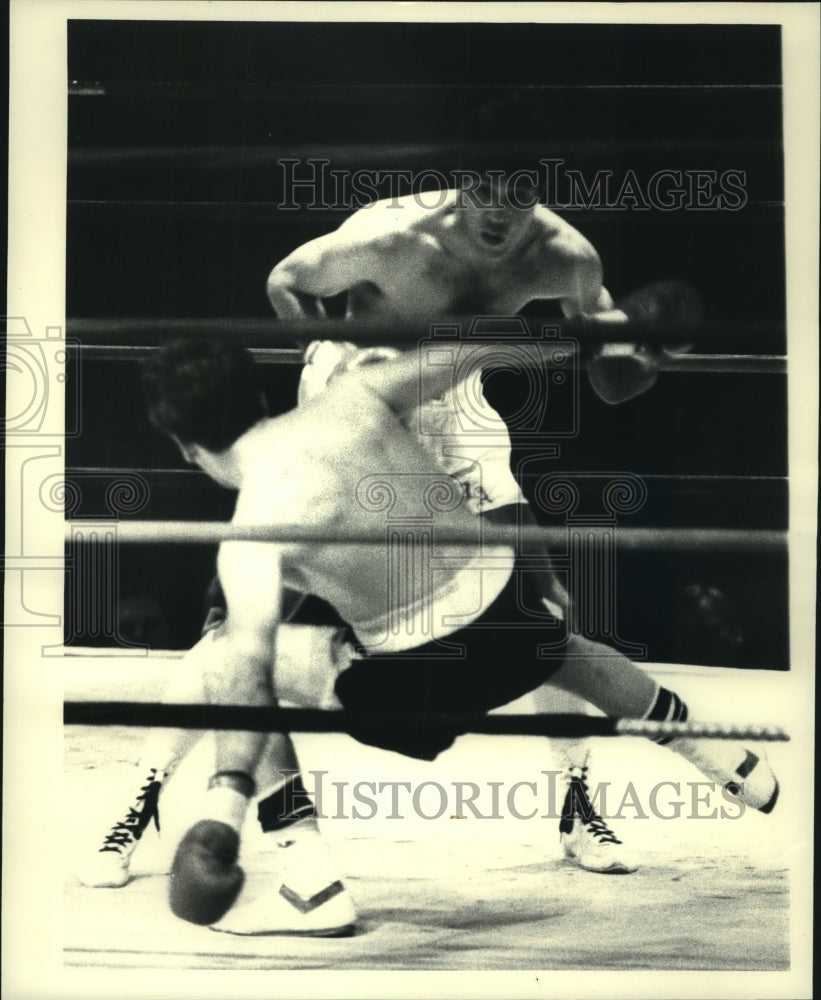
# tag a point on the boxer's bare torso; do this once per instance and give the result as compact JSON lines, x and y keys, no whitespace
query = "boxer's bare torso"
{"x":400,"y":259}
{"x":342,"y":462}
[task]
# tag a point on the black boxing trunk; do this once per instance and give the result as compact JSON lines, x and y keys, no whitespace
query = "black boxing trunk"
{"x":510,"y":650}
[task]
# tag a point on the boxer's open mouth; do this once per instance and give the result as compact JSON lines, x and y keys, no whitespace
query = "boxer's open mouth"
{"x":493,"y":239}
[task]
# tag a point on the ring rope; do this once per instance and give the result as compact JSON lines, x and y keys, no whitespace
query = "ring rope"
{"x":754,"y":364}
{"x":447,"y":157}
{"x":736,"y":364}
{"x":306,"y":720}
{"x":634,"y":539}
{"x":256,"y":332}
{"x":687,"y":478}
{"x":271,"y":211}
{"x":176,"y":88}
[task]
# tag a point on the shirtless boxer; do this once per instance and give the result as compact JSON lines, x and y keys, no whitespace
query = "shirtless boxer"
{"x":287,"y":473}
{"x":479,"y":253}
{"x":405,"y":262}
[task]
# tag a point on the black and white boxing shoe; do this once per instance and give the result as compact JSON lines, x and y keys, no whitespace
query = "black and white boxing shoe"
{"x":304,"y":897}
{"x":587,"y":840}
{"x":108,"y":867}
{"x":743,"y":773}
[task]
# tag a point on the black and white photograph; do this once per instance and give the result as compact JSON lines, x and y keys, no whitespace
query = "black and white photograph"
{"x":411,"y":499}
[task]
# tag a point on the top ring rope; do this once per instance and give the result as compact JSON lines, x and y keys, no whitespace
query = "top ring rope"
{"x":215,"y":532}
{"x":255,"y":332}
{"x":296,"y":92}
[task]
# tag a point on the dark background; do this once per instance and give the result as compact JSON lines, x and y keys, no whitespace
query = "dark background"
{"x":175,"y":131}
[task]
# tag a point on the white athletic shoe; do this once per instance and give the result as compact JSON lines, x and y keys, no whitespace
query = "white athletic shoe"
{"x":109,"y":866}
{"x":307,"y":897}
{"x":745,"y":774}
{"x":586,"y":838}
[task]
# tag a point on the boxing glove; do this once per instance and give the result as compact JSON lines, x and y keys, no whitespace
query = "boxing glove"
{"x":671,"y":300}
{"x":205,"y":877}
{"x":619,"y":372}
{"x":323,"y":358}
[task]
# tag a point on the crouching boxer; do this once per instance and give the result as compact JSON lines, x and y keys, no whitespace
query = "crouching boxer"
{"x":286,"y":472}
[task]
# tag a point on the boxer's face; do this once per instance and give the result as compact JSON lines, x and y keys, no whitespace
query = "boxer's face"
{"x":503,"y":212}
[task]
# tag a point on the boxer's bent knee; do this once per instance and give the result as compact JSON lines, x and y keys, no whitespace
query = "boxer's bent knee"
{"x":309,"y":658}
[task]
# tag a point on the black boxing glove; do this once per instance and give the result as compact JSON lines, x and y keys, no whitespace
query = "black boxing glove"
{"x":670,"y":301}
{"x":619,"y":372}
{"x":205,"y":877}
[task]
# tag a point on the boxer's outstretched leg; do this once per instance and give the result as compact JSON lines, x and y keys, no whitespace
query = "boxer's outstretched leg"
{"x":620,"y":689}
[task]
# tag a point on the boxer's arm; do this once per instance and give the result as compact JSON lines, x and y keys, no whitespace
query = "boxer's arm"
{"x":583,"y":294}
{"x":235,"y":662}
{"x":238,"y":667}
{"x":322,"y":268}
{"x":402,"y":383}
{"x":415,"y":378}
{"x":617,"y":372}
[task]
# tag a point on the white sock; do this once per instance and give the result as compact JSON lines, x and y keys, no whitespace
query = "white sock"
{"x":570,"y":754}
{"x":226,"y":805}
{"x":165,"y":748}
{"x":304,"y":833}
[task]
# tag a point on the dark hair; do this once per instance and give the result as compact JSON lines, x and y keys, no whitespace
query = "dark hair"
{"x":504,"y":117}
{"x":503,"y":131}
{"x":203,"y":390}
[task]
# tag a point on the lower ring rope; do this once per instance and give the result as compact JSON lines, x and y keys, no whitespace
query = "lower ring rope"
{"x":736,"y":364}
{"x":305,"y":720}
